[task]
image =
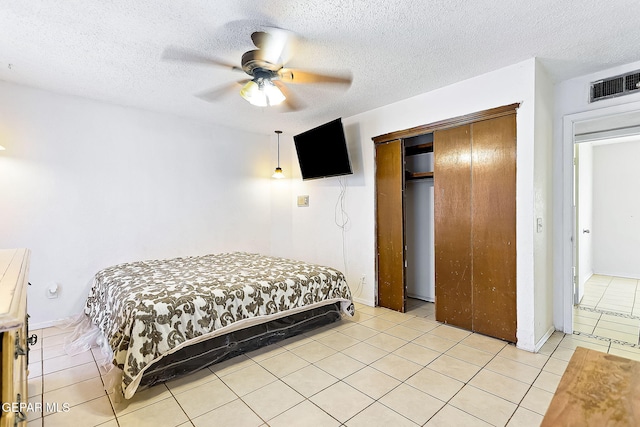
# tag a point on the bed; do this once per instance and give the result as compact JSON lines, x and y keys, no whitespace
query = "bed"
{"x":159,"y":319}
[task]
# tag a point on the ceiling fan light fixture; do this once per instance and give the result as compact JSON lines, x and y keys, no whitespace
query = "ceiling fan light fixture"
{"x":265,"y":65}
{"x":261,"y":92}
{"x":273,"y":93}
{"x":252,"y":93}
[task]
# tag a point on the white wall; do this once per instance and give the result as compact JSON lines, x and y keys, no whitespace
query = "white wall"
{"x":315,"y":237}
{"x":419,"y":235}
{"x":81,"y":179}
{"x":571,"y":104}
{"x":543,"y":207}
{"x":281,"y":201}
{"x":86,"y":185}
{"x":616,"y":215}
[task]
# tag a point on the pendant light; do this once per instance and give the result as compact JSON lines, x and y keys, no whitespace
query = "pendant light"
{"x":278,"y":173}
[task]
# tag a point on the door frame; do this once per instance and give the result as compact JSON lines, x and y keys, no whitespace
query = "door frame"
{"x":564,"y":275}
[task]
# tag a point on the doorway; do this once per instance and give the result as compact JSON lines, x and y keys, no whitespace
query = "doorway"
{"x":606,"y":217}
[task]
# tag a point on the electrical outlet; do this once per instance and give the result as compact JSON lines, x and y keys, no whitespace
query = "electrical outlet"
{"x":303,"y":201}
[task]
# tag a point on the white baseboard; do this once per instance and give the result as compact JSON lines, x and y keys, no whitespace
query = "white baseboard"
{"x":544,"y":339}
{"x":53,"y":323}
{"x":363,"y":301}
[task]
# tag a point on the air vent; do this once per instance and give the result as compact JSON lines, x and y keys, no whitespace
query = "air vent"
{"x":632,"y":82}
{"x":615,"y":86}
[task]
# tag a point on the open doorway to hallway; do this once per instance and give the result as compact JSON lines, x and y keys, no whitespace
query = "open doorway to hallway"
{"x":607,"y":230}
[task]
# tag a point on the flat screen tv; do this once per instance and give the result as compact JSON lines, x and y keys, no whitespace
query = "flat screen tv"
{"x":322,"y":151}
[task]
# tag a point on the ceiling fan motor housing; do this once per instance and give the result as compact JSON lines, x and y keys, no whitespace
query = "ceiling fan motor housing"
{"x":255,"y":66}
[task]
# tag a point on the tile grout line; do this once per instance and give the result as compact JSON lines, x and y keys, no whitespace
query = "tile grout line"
{"x":531,"y":385}
{"x":173,"y":395}
{"x":41,"y":384}
{"x":425,"y":366}
{"x":341,"y":380}
{"x":397,"y":385}
{"x":367,"y":365}
{"x":377,"y":400}
{"x":471,"y":385}
{"x":240,"y":397}
{"x":104,"y":386}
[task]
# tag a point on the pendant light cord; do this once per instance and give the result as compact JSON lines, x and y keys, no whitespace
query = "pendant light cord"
{"x":278,"y":132}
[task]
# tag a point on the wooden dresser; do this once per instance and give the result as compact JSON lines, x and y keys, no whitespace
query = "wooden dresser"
{"x":14,"y":269}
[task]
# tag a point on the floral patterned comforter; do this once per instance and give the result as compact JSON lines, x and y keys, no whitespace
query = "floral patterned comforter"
{"x":151,"y":308}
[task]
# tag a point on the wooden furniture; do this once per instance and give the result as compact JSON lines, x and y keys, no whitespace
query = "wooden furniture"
{"x":475,"y":218}
{"x":14,"y":267}
{"x":597,"y":389}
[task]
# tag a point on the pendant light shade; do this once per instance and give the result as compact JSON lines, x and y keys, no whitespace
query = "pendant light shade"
{"x":278,"y":173}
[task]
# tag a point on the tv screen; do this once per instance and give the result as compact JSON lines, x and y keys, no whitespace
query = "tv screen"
{"x":322,"y":151}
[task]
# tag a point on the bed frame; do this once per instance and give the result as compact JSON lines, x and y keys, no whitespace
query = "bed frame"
{"x":223,"y":347}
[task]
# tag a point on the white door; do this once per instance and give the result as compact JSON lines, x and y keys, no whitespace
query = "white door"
{"x":583,"y":205}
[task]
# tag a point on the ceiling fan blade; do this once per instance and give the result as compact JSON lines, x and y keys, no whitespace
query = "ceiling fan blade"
{"x":291,"y":102}
{"x":290,"y":75}
{"x":216,"y":93}
{"x":275,"y":46}
{"x":184,"y":55}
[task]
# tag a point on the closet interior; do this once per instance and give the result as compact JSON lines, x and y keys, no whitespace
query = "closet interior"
{"x":419,"y":210}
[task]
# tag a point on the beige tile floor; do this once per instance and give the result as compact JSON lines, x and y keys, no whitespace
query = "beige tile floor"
{"x":381,"y":368}
{"x":610,"y":309}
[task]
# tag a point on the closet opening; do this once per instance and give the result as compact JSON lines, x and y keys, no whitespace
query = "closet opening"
{"x":419,"y":211}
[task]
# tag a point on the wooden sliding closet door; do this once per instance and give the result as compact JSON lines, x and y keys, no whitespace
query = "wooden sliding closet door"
{"x":452,"y":226}
{"x":475,"y":226}
{"x":390,"y":225}
{"x":493,"y":212}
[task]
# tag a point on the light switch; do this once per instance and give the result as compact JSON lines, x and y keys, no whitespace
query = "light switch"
{"x":303,"y":201}
{"x":539,"y":225}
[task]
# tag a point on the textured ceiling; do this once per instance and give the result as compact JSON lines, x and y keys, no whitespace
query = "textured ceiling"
{"x":394,"y":49}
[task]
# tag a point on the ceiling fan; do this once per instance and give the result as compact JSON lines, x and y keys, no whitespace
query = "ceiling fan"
{"x":265,"y":66}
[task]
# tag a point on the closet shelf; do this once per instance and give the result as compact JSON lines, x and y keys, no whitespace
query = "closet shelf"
{"x":418,"y":149}
{"x":411,"y":176}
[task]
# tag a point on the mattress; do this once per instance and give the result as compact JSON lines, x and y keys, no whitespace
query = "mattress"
{"x":149,"y":309}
